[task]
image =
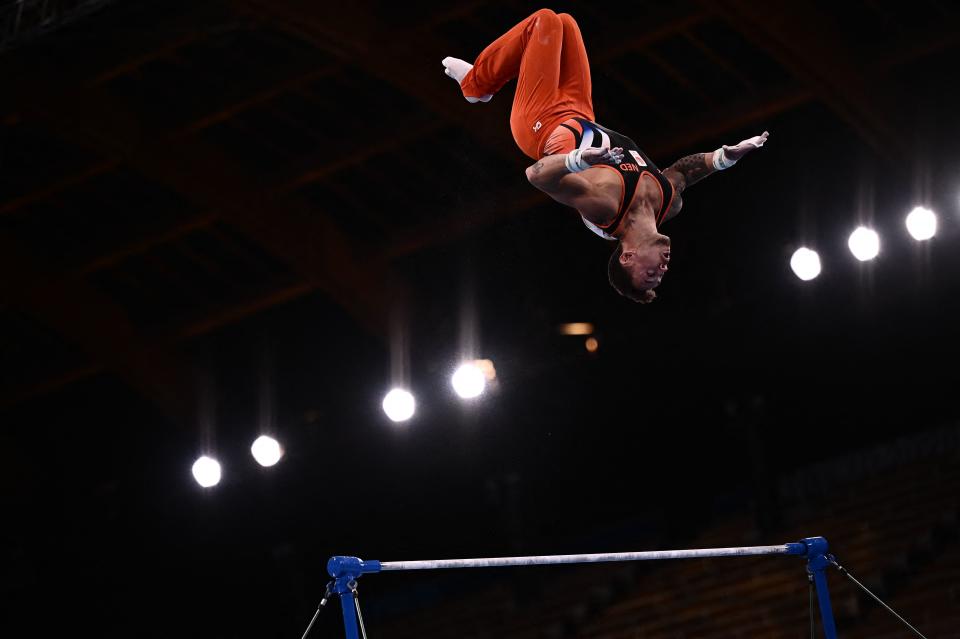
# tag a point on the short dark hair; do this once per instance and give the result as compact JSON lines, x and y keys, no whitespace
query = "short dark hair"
{"x":622,"y":282}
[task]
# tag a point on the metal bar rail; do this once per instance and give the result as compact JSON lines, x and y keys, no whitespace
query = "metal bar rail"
{"x":346,"y":570}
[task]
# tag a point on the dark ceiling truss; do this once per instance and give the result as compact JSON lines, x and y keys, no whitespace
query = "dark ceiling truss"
{"x":93,"y":322}
{"x":23,"y":20}
{"x":806,"y":43}
{"x":211,"y":181}
{"x":311,"y":244}
{"x":308,"y":237}
{"x":370,"y":46}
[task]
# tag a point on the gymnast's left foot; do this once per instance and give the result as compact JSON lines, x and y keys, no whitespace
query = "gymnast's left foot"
{"x":458,"y":69}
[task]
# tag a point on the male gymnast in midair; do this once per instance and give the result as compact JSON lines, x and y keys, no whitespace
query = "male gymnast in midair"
{"x":627,"y":197}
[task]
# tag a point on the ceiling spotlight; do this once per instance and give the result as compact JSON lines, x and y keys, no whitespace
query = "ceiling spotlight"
{"x":468,"y":380}
{"x":591,"y":344}
{"x":864,"y":243}
{"x":266,"y":450}
{"x":805,"y":264}
{"x":921,"y":223}
{"x":206,"y":471}
{"x":399,"y":405}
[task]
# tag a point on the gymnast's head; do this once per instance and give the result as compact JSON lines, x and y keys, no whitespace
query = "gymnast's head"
{"x":634,"y":271}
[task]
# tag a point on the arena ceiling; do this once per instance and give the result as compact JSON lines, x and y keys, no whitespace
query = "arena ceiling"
{"x":218,"y":213}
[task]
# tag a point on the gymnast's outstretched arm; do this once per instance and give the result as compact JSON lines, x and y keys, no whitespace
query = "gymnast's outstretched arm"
{"x":691,"y":169}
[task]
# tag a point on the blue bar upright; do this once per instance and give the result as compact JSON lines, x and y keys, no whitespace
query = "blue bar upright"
{"x":817,"y":561}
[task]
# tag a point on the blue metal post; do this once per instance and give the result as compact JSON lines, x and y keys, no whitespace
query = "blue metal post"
{"x":349,"y":614}
{"x":345,"y":572}
{"x":817,"y":561}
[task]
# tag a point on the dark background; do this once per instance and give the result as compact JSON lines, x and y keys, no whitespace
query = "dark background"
{"x":220,"y":218}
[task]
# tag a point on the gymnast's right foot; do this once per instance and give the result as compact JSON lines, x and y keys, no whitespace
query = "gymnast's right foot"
{"x":457,"y":69}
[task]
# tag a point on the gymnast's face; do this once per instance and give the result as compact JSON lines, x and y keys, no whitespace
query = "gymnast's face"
{"x":647,"y":264}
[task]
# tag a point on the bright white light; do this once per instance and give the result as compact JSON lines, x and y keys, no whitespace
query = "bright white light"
{"x":399,"y":405}
{"x":469,"y":381}
{"x":206,"y":471}
{"x":805,"y":264}
{"x":864,"y":243}
{"x":922,"y":223}
{"x":266,"y":450}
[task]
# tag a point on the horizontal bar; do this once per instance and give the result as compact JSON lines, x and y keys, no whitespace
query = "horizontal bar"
{"x":538,"y":560}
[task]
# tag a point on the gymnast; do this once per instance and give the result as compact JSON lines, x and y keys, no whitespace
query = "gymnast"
{"x":552,"y":121}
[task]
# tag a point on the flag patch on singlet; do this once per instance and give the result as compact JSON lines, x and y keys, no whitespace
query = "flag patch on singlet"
{"x":637,"y":157}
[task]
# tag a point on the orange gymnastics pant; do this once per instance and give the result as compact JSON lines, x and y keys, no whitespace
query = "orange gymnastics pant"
{"x":545,"y":53}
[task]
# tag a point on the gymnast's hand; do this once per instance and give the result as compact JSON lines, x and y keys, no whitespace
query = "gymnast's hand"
{"x":602,"y":155}
{"x":737,"y":151}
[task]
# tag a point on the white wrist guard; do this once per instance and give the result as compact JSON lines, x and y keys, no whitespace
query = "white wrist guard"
{"x":721,"y":161}
{"x":574,"y":163}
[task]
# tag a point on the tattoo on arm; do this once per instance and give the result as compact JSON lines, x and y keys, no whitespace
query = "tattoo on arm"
{"x":538,"y":167}
{"x":693,"y":168}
